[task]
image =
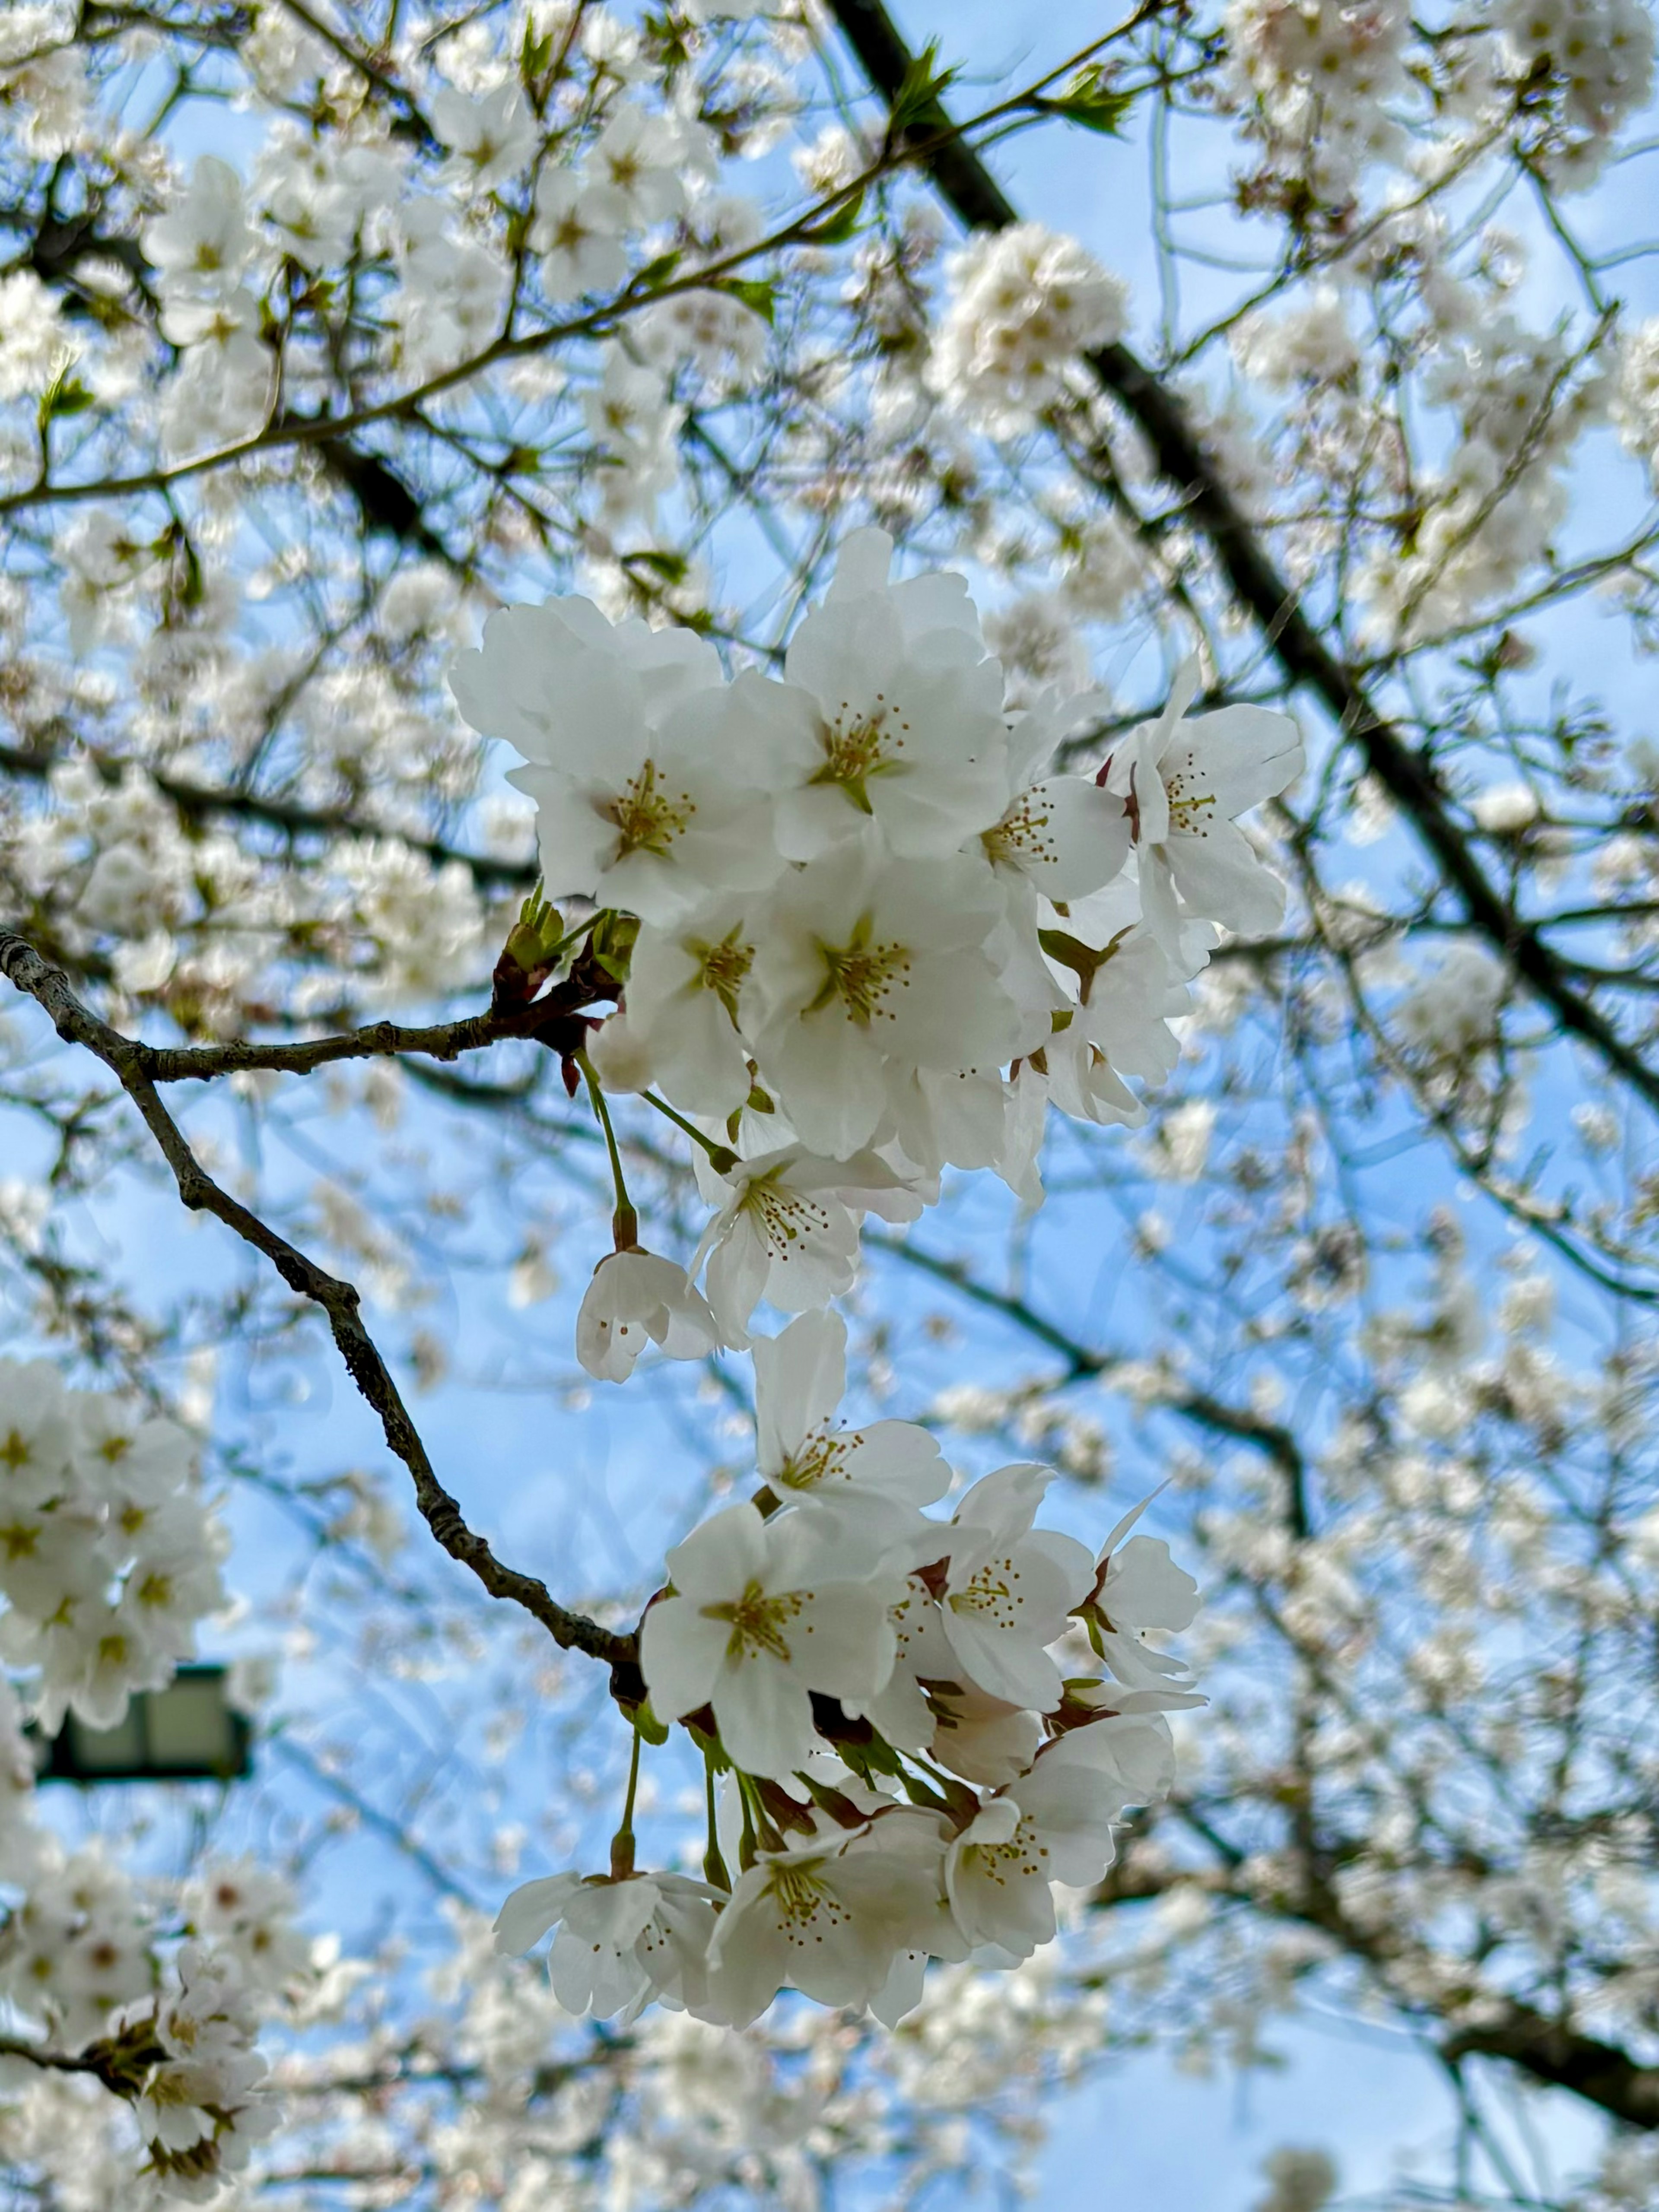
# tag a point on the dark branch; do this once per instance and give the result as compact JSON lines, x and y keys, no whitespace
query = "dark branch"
{"x":1084,"y":1362}
{"x":969,"y":188}
{"x":131,"y":1063}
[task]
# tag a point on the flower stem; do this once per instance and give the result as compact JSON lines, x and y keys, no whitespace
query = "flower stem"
{"x":624,"y":1222}
{"x":714,"y":1866}
{"x":721,"y":1157}
{"x":746,"y":1846}
{"x":622,"y":1844}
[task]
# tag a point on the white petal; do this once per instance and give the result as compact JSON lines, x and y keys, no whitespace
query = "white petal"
{"x":1002,"y":1665}
{"x":719,"y":1557}
{"x":843,"y":1641}
{"x":532,"y":1909}
{"x":799,"y":1376}
{"x":765,"y":1716}
{"x":681,"y":1653}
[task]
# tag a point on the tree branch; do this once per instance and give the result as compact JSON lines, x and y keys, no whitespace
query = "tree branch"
{"x":1082,"y":1363}
{"x":132,"y":1064}
{"x":56,"y":2062}
{"x":969,"y":188}
{"x":1550,"y":2051}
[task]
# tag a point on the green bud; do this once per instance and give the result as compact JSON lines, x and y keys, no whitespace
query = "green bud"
{"x":535,"y":938}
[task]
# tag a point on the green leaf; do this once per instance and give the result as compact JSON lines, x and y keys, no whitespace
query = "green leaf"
{"x":1090,"y":100}
{"x":759,"y":294}
{"x":673,"y":568}
{"x":838,"y":226}
{"x":537,"y":55}
{"x":658,"y":271}
{"x":611,"y":942}
{"x":919,"y":88}
{"x":65,"y":395}
{"x":535,"y":939}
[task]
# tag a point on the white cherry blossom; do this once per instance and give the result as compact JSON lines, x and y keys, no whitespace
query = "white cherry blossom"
{"x":983,"y":1739}
{"x":867,"y":970}
{"x":578,"y":233}
{"x":1063,"y":835}
{"x":686,"y":985}
{"x":800,"y":1453}
{"x":1054,"y":1825}
{"x":1025,"y":302}
{"x":557,"y":681}
{"x":36,"y":1433}
{"x":1009,"y":1588}
{"x":637,"y":1299}
{"x":892,"y":713}
{"x":493,"y":136}
{"x":1139,"y":1587}
{"x":204,"y":243}
{"x":788,"y":1229}
{"x":624,"y":729}
{"x":621,"y":1942}
{"x":643,"y":160}
{"x":1135,"y":983}
{"x":761,"y":1614}
{"x":826,"y":1919}
{"x":1186,"y":780}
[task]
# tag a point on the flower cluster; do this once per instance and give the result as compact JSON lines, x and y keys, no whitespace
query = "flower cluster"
{"x":169,"y":2029}
{"x":910,"y":1771}
{"x":109,"y":1555}
{"x":203,"y":2100}
{"x":204,"y":252}
{"x":1584,"y":67}
{"x":1024,"y":303}
{"x":864,"y":934}
{"x":1319,"y":81}
{"x":1521,"y":402}
{"x":79,"y":1957}
{"x":858,"y":934}
{"x":1636,"y":400}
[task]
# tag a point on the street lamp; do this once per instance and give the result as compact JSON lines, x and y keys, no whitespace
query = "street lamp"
{"x":187,"y":1732}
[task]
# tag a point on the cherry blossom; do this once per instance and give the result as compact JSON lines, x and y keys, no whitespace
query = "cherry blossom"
{"x":685,"y":984}
{"x":1054,"y":1825}
{"x":650,"y":822}
{"x":1187,"y":781}
{"x":787,"y":1229}
{"x":894,"y":712}
{"x":1008,"y":1587}
{"x":760,"y":1615}
{"x":621,"y":1942}
{"x":800,"y":1377}
{"x":866,"y":967}
{"x":828,"y":1920}
{"x":858,"y":884}
{"x":1025,"y":302}
{"x":637,"y":1299}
